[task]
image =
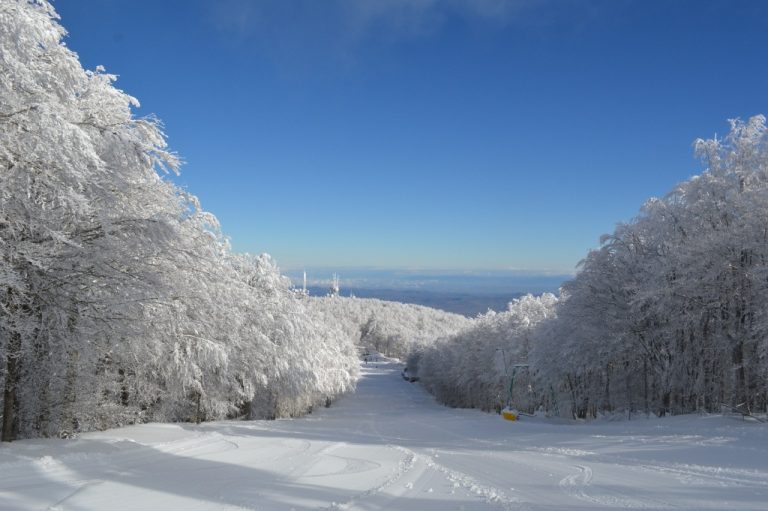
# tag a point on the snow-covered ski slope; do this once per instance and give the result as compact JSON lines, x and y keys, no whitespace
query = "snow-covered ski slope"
{"x":390,"y":446}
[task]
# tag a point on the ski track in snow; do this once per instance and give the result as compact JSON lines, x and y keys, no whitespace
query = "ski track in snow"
{"x":579,"y":485}
{"x":712,"y":476}
{"x":490,"y":494}
{"x":574,"y":484}
{"x":404,"y":466}
{"x":390,"y":446}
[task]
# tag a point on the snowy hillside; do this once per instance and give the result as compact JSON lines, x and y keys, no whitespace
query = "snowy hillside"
{"x":390,"y":446}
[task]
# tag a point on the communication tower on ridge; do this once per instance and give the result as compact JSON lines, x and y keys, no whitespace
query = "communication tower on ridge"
{"x":334,"y":289}
{"x":303,"y":292}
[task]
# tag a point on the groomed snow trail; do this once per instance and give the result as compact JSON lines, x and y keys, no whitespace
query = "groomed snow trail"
{"x":390,"y":446}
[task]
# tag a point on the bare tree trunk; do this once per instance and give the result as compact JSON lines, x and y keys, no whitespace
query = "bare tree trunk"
{"x":124,"y":394}
{"x":69,"y":421}
{"x":12,"y":372}
{"x":628,"y":385}
{"x":645,"y":384}
{"x":740,"y":393}
{"x":573,"y":396}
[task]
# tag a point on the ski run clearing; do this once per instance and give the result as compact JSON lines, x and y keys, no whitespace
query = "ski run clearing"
{"x":390,"y":446}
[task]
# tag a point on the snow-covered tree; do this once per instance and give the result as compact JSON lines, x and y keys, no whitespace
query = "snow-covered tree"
{"x":120,"y":300}
{"x":80,"y":186}
{"x":668,"y":314}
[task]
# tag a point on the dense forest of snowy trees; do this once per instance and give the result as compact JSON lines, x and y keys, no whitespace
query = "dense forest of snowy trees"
{"x":669,"y":315}
{"x":391,"y":328}
{"x":473,"y":368}
{"x":120,"y":300}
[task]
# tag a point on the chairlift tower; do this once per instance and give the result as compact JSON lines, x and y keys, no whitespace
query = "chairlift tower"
{"x":509,"y":413}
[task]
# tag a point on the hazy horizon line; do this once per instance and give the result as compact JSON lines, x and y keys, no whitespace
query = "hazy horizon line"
{"x":456,"y":281}
{"x":523,"y":272}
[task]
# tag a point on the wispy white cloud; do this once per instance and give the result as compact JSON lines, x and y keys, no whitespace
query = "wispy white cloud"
{"x":333,"y":27}
{"x":409,"y":17}
{"x":234,"y":16}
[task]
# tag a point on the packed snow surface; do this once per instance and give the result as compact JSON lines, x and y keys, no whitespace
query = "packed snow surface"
{"x":390,"y":446}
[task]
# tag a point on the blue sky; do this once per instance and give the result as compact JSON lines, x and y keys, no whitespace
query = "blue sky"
{"x":430,"y":134}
